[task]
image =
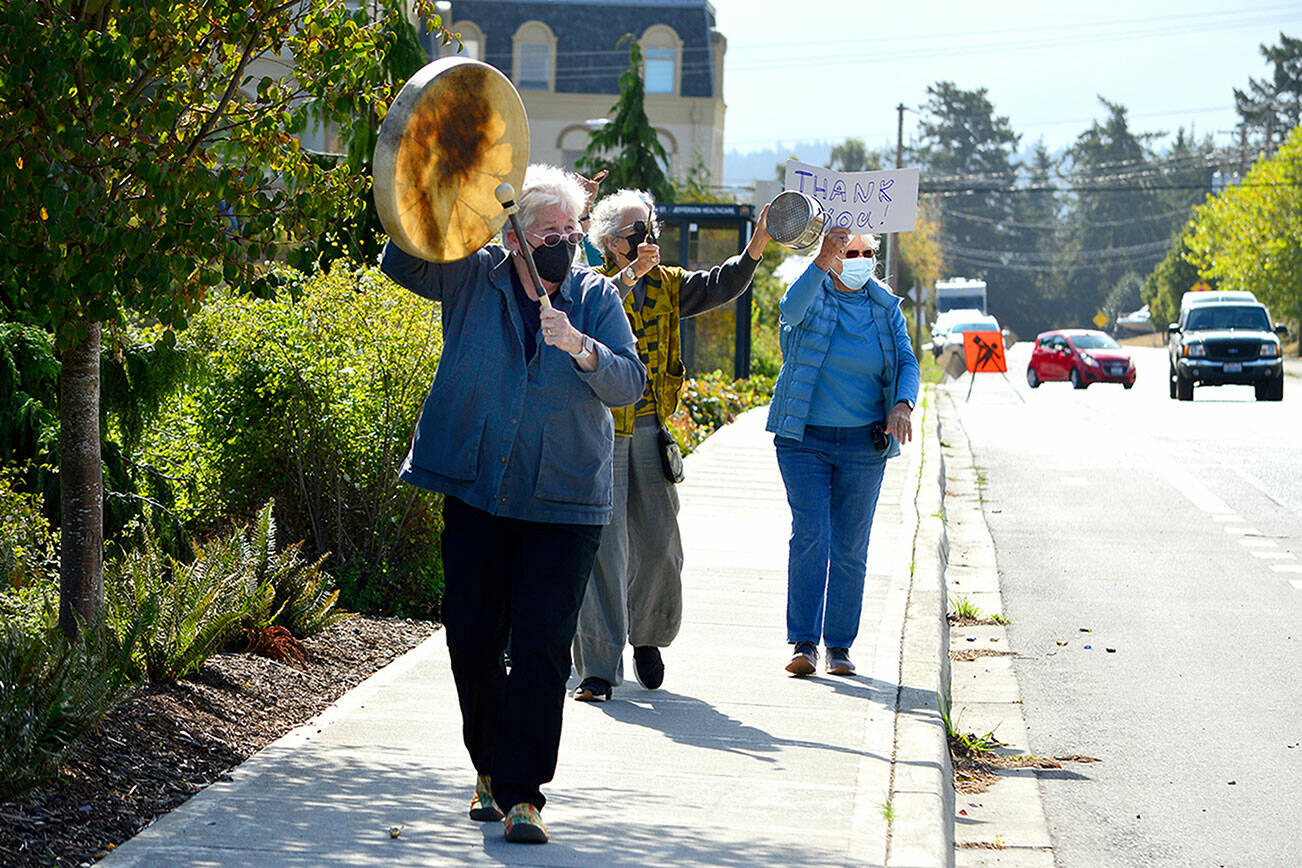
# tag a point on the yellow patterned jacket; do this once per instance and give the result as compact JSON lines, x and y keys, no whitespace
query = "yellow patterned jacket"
{"x":672,"y":294}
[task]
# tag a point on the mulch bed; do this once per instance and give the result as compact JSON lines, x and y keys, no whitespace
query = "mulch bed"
{"x":151,"y":754}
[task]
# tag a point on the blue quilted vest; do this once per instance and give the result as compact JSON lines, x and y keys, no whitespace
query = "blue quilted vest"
{"x":804,"y":349}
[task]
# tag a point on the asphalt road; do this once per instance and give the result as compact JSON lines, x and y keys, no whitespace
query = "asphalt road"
{"x":1172,"y":532}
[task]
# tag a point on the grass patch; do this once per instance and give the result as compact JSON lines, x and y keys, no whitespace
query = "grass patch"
{"x":931,"y":371}
{"x":964,"y":613}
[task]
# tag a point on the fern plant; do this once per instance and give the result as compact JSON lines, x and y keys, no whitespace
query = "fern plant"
{"x":178,"y":614}
{"x":51,"y":693}
{"x":301,"y":597}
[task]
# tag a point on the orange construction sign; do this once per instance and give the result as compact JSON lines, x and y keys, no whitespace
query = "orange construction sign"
{"x":983,"y":352}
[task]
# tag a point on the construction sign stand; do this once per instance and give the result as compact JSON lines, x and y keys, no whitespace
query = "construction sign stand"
{"x":983,"y":353}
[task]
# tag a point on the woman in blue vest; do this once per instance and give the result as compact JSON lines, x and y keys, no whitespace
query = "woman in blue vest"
{"x":841,"y":406}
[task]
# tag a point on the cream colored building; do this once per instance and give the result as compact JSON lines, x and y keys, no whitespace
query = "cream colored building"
{"x":562,"y":57}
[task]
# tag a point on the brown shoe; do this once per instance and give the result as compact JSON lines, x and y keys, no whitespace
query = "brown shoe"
{"x":838,"y":662}
{"x":805,"y":660}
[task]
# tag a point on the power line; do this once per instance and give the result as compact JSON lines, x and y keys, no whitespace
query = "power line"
{"x":1022,"y":224}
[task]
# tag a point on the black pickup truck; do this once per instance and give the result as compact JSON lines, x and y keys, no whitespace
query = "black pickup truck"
{"x":1225,"y":338}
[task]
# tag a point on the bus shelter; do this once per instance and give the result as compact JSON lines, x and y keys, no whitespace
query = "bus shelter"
{"x":699,"y":236}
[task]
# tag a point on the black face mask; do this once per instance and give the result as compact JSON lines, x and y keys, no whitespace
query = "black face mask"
{"x":641,"y":232}
{"x":554,"y":262}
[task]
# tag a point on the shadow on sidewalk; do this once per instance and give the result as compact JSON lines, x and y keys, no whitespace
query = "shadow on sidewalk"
{"x":695,"y":722}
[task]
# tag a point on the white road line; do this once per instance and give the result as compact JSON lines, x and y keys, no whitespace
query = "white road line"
{"x":1287,"y":568}
{"x":1297,"y":583}
{"x":1280,"y":555}
{"x":1184,"y":482}
{"x":1257,"y":542}
{"x":1246,"y":531}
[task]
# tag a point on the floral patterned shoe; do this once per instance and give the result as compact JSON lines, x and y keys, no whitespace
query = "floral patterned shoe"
{"x":524,"y":825}
{"x":482,"y":806}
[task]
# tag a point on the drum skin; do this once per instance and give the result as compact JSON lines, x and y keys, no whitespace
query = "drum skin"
{"x":455,"y":132}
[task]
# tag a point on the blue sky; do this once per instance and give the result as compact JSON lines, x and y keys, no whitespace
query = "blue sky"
{"x":830,"y":69}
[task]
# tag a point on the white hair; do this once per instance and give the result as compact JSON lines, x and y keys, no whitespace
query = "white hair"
{"x":608,"y":216}
{"x":543,"y":187}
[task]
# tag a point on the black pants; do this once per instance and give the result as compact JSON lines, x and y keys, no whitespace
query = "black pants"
{"x":524,"y":579}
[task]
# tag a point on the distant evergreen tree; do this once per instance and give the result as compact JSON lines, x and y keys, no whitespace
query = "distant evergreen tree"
{"x":627,"y":146}
{"x":1030,"y":287}
{"x":1116,"y":188}
{"x":966,"y":151}
{"x":1272,"y":107}
{"x":853,"y":156}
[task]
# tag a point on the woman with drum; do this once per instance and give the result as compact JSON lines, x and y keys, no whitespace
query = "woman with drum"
{"x":635,"y":596}
{"x":841,"y":406}
{"x":516,"y":433}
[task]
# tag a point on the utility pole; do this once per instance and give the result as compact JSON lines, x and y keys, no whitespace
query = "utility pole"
{"x":892,"y":239}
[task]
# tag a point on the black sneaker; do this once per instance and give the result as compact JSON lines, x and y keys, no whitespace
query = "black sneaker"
{"x":648,"y":666}
{"x":805,"y":660}
{"x":838,"y":662}
{"x":592,"y":690}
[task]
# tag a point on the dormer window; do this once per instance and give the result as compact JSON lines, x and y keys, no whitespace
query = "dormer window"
{"x":662,"y":53}
{"x":660,"y":69}
{"x":535,"y":56}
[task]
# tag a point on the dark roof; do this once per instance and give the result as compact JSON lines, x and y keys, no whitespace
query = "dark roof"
{"x":587,"y":31}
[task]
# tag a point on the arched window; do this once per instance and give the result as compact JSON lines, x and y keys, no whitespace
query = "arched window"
{"x":662,"y":55}
{"x":534,"y":58}
{"x":472,"y":41}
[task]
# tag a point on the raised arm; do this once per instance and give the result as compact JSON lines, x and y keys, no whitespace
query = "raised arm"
{"x":706,"y":290}
{"x":801,"y":294}
{"x":427,"y":279}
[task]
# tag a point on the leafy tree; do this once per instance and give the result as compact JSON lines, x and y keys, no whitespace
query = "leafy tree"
{"x":1029,"y":289}
{"x":142,"y":164}
{"x":627,"y":146}
{"x":1272,"y":107}
{"x":359,"y":237}
{"x":1250,"y":236}
{"x":1169,"y":281}
{"x":696,"y":185}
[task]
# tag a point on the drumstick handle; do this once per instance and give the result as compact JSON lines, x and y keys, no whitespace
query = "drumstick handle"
{"x":528,"y":261}
{"x":506,"y":195}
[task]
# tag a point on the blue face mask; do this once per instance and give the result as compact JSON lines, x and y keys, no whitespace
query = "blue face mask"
{"x":855,"y":272}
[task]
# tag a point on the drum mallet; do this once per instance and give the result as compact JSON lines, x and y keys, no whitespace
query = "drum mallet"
{"x":506,"y":195}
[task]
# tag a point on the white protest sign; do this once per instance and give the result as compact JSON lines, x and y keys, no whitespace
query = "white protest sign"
{"x":885,"y":201}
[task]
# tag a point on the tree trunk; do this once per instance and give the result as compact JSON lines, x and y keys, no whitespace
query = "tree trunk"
{"x":81,"y":484}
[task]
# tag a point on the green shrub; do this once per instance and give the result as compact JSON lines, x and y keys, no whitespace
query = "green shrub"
{"x":711,"y":401}
{"x":28,"y":555}
{"x":51,"y":693}
{"x":310,"y":397}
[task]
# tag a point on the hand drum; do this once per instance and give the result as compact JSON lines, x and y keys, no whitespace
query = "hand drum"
{"x":455,"y":132}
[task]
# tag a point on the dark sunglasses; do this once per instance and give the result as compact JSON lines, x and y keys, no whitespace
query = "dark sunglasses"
{"x":551,"y":239}
{"x":854,"y":254}
{"x":641,"y":231}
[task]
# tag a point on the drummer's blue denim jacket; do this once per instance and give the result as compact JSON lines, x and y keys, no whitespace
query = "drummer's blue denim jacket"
{"x":531,"y":440}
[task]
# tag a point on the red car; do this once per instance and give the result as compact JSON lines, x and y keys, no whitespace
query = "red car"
{"x":1082,"y":356}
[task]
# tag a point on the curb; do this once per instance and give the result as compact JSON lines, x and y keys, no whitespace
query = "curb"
{"x":922,"y":780}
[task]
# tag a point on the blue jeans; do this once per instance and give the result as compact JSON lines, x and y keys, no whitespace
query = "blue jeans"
{"x":832,"y":477}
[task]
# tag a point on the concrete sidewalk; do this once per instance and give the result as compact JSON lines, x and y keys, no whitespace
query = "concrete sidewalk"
{"x":731,"y":763}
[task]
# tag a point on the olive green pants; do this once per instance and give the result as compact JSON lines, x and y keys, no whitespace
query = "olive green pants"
{"x":635,"y":593}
